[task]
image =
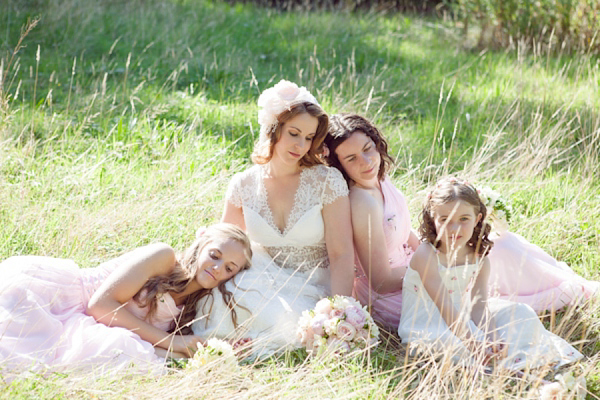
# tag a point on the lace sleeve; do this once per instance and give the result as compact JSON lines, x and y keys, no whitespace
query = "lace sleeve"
{"x":233,"y":194}
{"x":335,"y":186}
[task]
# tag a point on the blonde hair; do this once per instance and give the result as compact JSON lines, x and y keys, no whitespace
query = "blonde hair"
{"x":263,"y":151}
{"x":185,"y":271}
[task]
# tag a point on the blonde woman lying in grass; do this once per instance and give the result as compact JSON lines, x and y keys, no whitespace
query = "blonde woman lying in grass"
{"x":125,"y":313}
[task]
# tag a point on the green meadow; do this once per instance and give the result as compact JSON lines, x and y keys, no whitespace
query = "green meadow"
{"x":121,"y":124}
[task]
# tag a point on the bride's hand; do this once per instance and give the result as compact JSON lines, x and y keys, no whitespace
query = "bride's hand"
{"x":186,"y":344}
{"x":242,"y":347}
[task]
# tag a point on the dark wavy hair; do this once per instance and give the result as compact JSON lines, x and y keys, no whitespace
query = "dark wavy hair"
{"x":341,"y":127}
{"x":449,"y":190}
{"x":185,"y":271}
{"x":263,"y":152}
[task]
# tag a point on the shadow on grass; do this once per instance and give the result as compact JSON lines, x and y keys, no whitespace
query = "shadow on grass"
{"x":131,"y":59}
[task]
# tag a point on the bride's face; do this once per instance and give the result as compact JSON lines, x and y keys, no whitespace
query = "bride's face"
{"x":359,"y":157}
{"x":296,"y":138}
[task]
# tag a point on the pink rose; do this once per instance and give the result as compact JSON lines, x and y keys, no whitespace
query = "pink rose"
{"x":345,"y":331}
{"x":317,"y":324}
{"x":353,"y":309}
{"x":336,"y":313}
{"x":323,"y":307}
{"x":355,"y":317}
{"x":306,"y":336}
{"x":287,"y":90}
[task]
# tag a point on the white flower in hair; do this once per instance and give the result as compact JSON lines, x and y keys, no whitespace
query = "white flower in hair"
{"x":499,"y":211}
{"x":275,"y":100}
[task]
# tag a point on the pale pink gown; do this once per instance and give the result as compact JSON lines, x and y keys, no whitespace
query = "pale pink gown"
{"x":524,"y":273}
{"x":44,"y":328}
{"x":386,"y":308}
{"x":520,"y":271}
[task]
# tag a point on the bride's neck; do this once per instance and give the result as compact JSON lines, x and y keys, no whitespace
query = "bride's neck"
{"x":280,"y":170}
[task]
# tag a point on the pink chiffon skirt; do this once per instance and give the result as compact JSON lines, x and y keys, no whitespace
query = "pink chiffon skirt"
{"x":43,"y":325}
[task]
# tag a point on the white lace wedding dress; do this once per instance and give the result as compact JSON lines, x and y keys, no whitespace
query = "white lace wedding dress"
{"x":290,"y":269}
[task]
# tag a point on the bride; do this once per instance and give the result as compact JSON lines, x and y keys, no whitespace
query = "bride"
{"x":297,"y":213}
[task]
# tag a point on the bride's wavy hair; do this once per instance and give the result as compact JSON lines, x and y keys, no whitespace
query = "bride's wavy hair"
{"x":447,"y":191}
{"x":185,"y":271}
{"x":341,"y":127}
{"x":263,"y":151}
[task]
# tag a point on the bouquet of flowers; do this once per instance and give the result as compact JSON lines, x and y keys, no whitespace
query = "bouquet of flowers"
{"x":339,"y":324}
{"x":566,"y":387}
{"x":499,"y":211}
{"x":215,"y":354}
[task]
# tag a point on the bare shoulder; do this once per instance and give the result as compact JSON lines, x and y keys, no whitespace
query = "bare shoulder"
{"x":363,"y":205}
{"x":160,"y":250}
{"x":424,"y":258}
{"x":159,"y":258}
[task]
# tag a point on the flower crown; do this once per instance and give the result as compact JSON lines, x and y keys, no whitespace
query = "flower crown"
{"x":275,"y":100}
{"x":499,"y":210}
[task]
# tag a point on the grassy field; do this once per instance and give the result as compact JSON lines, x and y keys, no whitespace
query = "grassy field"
{"x":122,"y":122}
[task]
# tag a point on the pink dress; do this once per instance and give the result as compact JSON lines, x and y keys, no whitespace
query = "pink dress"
{"x":386,"y":308}
{"x":520,"y":271}
{"x":44,"y":327}
{"x":524,"y":273}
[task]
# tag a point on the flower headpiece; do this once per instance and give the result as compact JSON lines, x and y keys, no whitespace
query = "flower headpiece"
{"x":499,"y":210}
{"x":275,"y":100}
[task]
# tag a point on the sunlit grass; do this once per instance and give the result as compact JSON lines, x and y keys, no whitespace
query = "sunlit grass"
{"x":144,"y":110}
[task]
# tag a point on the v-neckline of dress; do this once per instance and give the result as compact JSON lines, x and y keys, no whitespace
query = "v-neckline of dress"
{"x":269,"y":213}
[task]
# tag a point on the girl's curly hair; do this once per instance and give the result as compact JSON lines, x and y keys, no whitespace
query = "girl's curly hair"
{"x":449,"y":190}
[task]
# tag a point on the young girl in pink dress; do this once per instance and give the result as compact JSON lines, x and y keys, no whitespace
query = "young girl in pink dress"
{"x":126,"y":313}
{"x":445,"y":304}
{"x":520,"y":271}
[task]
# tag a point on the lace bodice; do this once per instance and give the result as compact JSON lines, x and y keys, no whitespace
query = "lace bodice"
{"x":301,"y":244}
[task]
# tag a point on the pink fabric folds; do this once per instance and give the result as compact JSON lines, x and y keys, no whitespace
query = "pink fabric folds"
{"x":43,"y":325}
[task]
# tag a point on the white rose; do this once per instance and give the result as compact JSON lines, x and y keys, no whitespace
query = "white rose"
{"x":323,"y":307}
{"x":567,"y":380}
{"x":501,"y":214}
{"x":580,"y":388}
{"x":552,"y":391}
{"x":330,"y":326}
{"x":340,"y":302}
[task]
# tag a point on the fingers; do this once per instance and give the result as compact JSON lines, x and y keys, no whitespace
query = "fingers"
{"x":243,"y":347}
